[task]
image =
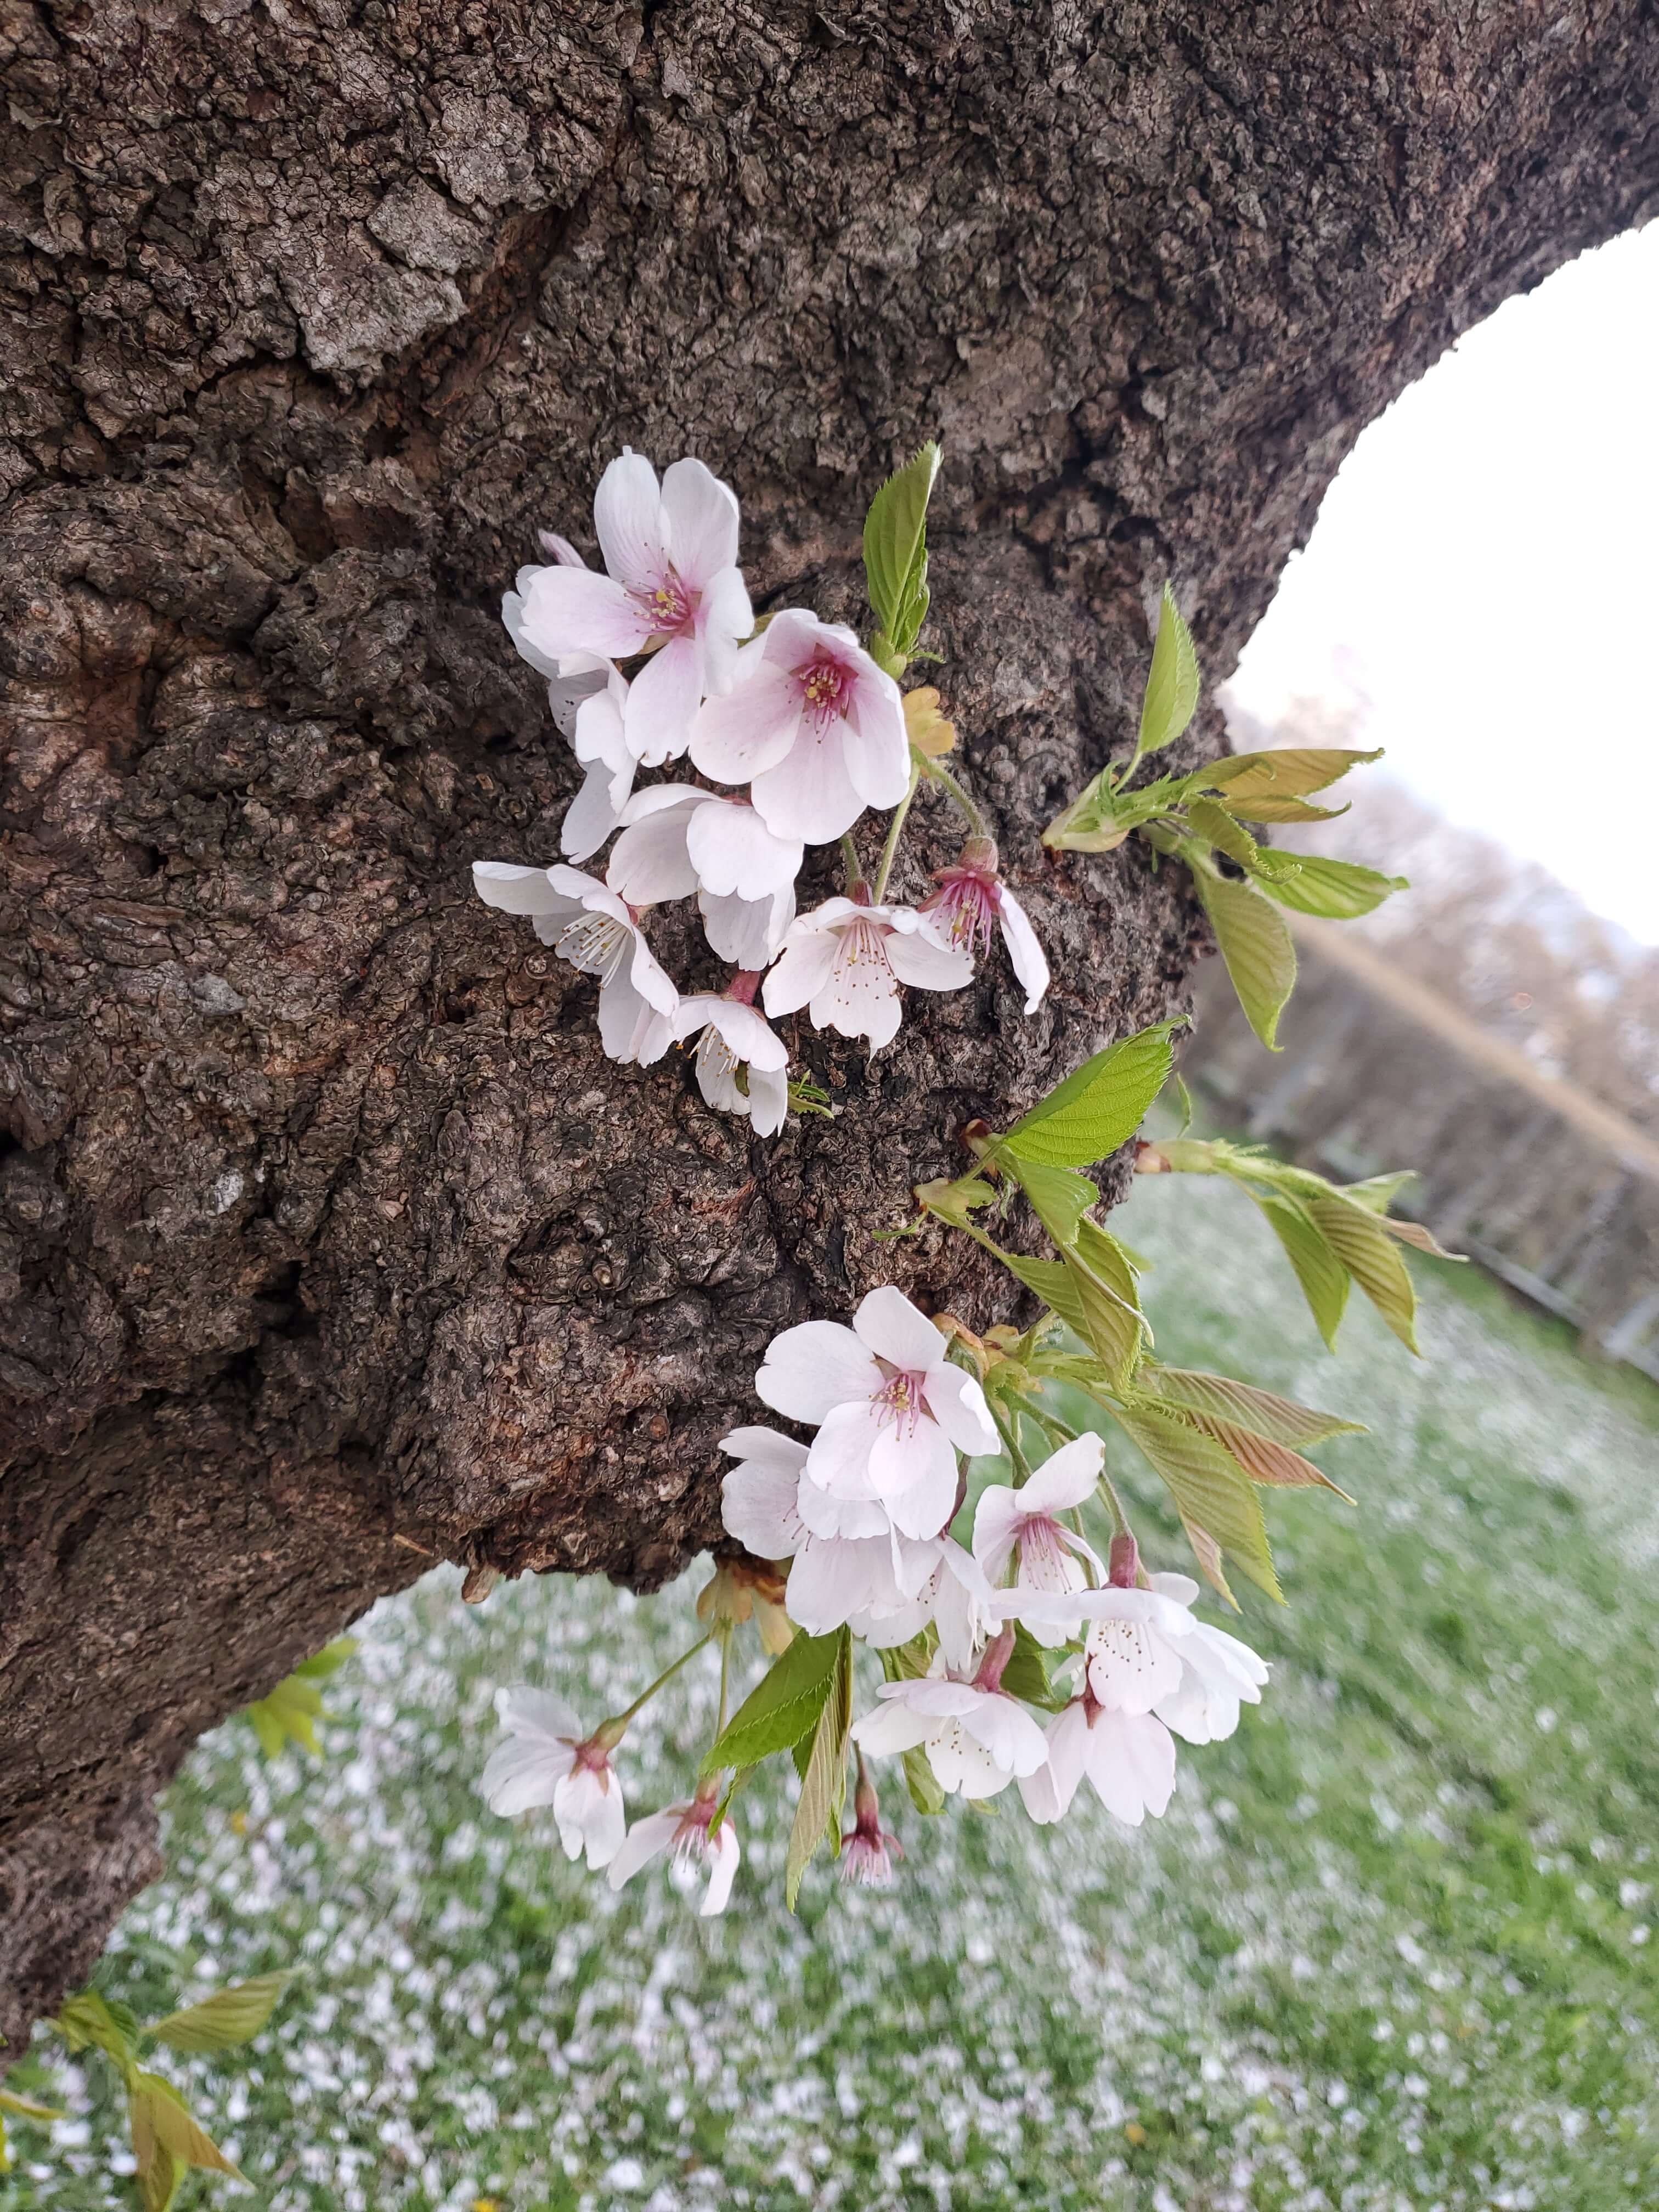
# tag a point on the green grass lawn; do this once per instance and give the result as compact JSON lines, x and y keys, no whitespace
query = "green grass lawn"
{"x":1390,"y":1949}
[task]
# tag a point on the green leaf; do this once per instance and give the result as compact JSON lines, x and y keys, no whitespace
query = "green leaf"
{"x":1026,"y":1674}
{"x":1171,"y":696}
{"x":290,"y":1713}
{"x":1109,"y":1323}
{"x":1090,"y":823}
{"x":1060,"y":1197}
{"x":162,"y":2121}
{"x":782,"y":1708}
{"x":1184,"y":1100}
{"x":1254,"y":943}
{"x":329,"y":1660}
{"x":1283,"y":809}
{"x":1290,"y":772}
{"x":1258,"y":1411}
{"x":895,"y":555}
{"x":1115,"y":1326}
{"x":824,"y":1786}
{"x":1098,"y":1105}
{"x":1378,"y":1192}
{"x":1365,"y":1248}
{"x":27,"y":2109}
{"x":227,"y":2018}
{"x":1208,"y":1487}
{"x":88,"y":2019}
{"x":1323,"y":1278}
{"x":955,"y":1202}
{"x":1212,"y":823}
{"x":1340,"y":891}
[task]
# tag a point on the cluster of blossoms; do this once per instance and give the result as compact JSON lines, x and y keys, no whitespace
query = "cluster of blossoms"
{"x":867,"y":1527}
{"x":804,"y":730}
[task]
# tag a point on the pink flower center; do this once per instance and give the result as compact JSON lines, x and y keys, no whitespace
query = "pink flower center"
{"x":666,"y":604}
{"x":965,"y":908}
{"x":901,"y":1401}
{"x":825,"y":684}
{"x":861,"y":946}
{"x":1043,"y":1548}
{"x":691,"y":1844}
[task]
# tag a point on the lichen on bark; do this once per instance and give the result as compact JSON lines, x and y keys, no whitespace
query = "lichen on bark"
{"x":330,"y":1243}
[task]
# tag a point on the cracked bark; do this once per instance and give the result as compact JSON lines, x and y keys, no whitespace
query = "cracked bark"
{"x":324,"y":1229}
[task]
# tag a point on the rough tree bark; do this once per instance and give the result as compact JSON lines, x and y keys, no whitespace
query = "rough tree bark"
{"x":327,"y":1231}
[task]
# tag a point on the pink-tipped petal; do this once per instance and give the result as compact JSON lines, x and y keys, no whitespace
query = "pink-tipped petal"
{"x":568,"y":610}
{"x":702,"y":515}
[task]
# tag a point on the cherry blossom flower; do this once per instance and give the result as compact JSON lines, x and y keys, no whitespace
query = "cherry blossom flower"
{"x":811,"y":725}
{"x":1218,"y":1673}
{"x":867,"y":1849}
{"x":1026,"y":1521}
{"x":598,"y":742}
{"x":844,"y":962}
{"x":977,"y":1740}
{"x":546,"y":1760}
{"x":890,"y":1409}
{"x":676,"y":840}
{"x":587,"y":924}
{"x":731,"y":1037}
{"x":758,"y":1495}
{"x":574,"y":676}
{"x":1130,"y":1758}
{"x":1133,"y":1647}
{"x":683,"y":1831}
{"x":831,"y":1577}
{"x":951,"y":1594}
{"x":972,"y":899}
{"x":673,"y":584}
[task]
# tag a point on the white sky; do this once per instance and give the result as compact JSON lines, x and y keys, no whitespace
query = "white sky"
{"x":1485,"y":570}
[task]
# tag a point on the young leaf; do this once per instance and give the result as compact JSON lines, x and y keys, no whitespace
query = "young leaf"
{"x":227,"y":2018}
{"x":1207,"y":1486}
{"x":1274,"y":1465}
{"x":1365,"y":1248}
{"x":1377,"y":1192}
{"x":824,"y":1786}
{"x":1060,"y":1197}
{"x":1184,"y":1100}
{"x":1098,"y":1105}
{"x":1207,"y":1552}
{"x":1117,"y":1329}
{"x":1090,"y":824}
{"x":1323,"y":1278}
{"x":782,"y":1708}
{"x":896,"y":553}
{"x":1290,"y":772}
{"x":1259,"y":1410}
{"x":27,"y":2109}
{"x":1341,"y":890}
{"x":160,"y":2116}
{"x":290,"y":1713}
{"x":88,"y":2018}
{"x":1026,"y":1674}
{"x":1171,"y":696}
{"x":1282,"y":810}
{"x":1255,"y":945}
{"x":1211,"y":822}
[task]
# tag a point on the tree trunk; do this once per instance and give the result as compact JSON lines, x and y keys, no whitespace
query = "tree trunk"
{"x":331,"y":1244}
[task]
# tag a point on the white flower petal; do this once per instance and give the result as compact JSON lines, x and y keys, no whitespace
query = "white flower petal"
{"x":726,"y":1853}
{"x":702,"y":515}
{"x":758,"y":1508}
{"x":1068,"y":1477}
{"x":957,"y":1404}
{"x":918,"y":957}
{"x":724,"y":618}
{"x":628,"y":521}
{"x":738,"y":736}
{"x":649,"y":862}
{"x":875,"y":742}
{"x":662,"y":700}
{"x":808,"y":794}
{"x":1025,"y":955}
{"x":520,"y":891}
{"x":734,"y":852}
{"x":832,"y":1577}
{"x":769,"y":1100}
{"x":568,"y":610}
{"x":803,"y":970}
{"x":654,"y":1833}
{"x":812,"y":1367}
{"x":895,"y":1329}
